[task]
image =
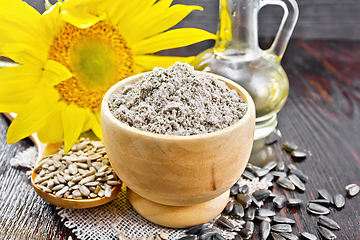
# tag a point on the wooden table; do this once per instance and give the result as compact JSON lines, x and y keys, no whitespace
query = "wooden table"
{"x":322,"y":116}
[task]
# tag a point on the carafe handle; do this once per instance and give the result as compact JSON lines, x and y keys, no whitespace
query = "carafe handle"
{"x":288,"y":22}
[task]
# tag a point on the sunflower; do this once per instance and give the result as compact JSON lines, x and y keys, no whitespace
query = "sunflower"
{"x":70,"y":55}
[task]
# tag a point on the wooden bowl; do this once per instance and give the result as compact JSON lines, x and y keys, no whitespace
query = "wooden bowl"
{"x":178,"y":170}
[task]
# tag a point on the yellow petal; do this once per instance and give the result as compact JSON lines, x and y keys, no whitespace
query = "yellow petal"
{"x":73,"y":119}
{"x":156,"y":22}
{"x":171,"y":39}
{"x":96,"y":126}
{"x":49,"y":20}
{"x":33,"y":117}
{"x":17,"y":87}
{"x":80,"y":18}
{"x":53,"y":131}
{"x":123,"y":11}
{"x":54,"y":73}
{"x":148,"y":62}
{"x":19,"y":23}
{"x":24,"y":54}
{"x":92,"y":123}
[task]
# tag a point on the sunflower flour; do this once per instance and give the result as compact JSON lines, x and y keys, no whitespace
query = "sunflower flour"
{"x":177,"y":101}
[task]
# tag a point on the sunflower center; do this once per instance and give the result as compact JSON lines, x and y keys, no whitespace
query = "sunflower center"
{"x":97,"y":56}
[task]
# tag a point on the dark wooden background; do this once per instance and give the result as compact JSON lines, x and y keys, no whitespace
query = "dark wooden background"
{"x":318,"y":19}
{"x":322,"y":116}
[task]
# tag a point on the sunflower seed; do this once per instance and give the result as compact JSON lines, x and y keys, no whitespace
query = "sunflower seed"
{"x":289,"y":147}
{"x":218,"y":236}
{"x":58,"y":187}
{"x":261,"y":172}
{"x":87,"y":179}
{"x":84,"y":190}
{"x":264,"y":230}
{"x":265,"y":212}
{"x":77,"y":178}
{"x":270,"y":165}
{"x":352,"y":189}
{"x":99,"y":174}
{"x":339,"y":201}
{"x":280,"y":219}
{"x":255,"y":168}
{"x":60,"y":193}
{"x":113,"y":183}
{"x":276,"y":236}
{"x":298,"y":154}
{"x":245,"y":233}
{"x":92,"y":184}
{"x":249,"y":167}
{"x":196,"y":229}
{"x":285,"y":183}
{"x":320,"y":201}
{"x":244,"y":189}
{"x":103,"y":168}
{"x":308,"y":236}
{"x":77,"y":193}
{"x":279,"y":174}
{"x":299,"y":174}
{"x":267,"y":219}
{"x":248,"y":175}
{"x":107,"y":191}
{"x":163,"y":235}
{"x":40,"y":180}
{"x":70,"y":183}
{"x":267,"y":178}
{"x":250,"y":225}
{"x":207,"y":233}
{"x":289,"y":236}
{"x":326,"y":233}
{"x":225,"y":223}
{"x":234,"y":189}
{"x":297,"y":182}
{"x":328,"y":222}
{"x":50,"y":183}
{"x":249,"y":214}
{"x":280,"y":166}
{"x":67,"y":195}
{"x":82,"y":165}
{"x":261,"y":194}
{"x":281,"y":228}
{"x":67,"y":177}
{"x":229,"y":207}
{"x":272,"y":195}
{"x":294,"y":202}
{"x":45,"y":189}
{"x":238,"y":210}
{"x":326,"y":195}
{"x":272,"y":138}
{"x":237,"y":237}
{"x":244,"y":200}
{"x":279,"y":201}
{"x":189,"y":237}
{"x":317,"y":209}
{"x":254,"y":201}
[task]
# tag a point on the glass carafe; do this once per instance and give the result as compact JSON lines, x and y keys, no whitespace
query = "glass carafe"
{"x":237,"y":56}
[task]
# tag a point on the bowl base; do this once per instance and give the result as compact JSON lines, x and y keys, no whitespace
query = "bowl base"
{"x":178,"y":216}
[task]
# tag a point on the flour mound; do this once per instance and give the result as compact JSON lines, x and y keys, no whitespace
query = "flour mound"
{"x":177,"y":101}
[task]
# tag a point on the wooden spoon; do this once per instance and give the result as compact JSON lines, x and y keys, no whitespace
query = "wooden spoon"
{"x":51,"y":148}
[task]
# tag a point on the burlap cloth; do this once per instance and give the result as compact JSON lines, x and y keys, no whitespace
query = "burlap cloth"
{"x":107,"y":221}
